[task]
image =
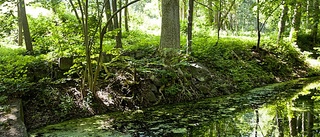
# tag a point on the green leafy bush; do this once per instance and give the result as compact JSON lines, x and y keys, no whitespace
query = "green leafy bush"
{"x":18,"y":72}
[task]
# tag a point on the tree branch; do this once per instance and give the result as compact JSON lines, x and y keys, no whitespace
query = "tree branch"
{"x":265,"y":21}
{"x":206,"y":5}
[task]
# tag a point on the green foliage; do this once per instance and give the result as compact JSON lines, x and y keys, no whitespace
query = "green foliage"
{"x":19,"y":73}
{"x":7,"y":21}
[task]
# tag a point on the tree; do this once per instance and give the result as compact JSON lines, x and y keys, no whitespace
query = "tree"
{"x":108,"y":13}
{"x":190,"y":20}
{"x":20,"y":32}
{"x":210,"y":13}
{"x":170,"y":27}
{"x":283,"y":19}
{"x":126,"y":17}
{"x":258,"y":25}
{"x":117,"y":24}
{"x":296,"y":21}
{"x":25,"y":25}
{"x":315,"y":24}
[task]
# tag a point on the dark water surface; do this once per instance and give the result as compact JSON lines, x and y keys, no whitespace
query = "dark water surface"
{"x":279,"y":110}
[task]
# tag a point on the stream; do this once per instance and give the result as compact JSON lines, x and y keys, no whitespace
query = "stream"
{"x":284,"y":109}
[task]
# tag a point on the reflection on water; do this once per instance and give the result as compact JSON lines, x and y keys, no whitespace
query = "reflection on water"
{"x":279,"y":110}
{"x":285,"y":117}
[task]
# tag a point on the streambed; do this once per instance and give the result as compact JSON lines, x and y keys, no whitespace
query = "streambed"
{"x":289,"y":108}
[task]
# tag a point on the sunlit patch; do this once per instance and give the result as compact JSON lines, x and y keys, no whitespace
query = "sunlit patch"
{"x":313,"y":62}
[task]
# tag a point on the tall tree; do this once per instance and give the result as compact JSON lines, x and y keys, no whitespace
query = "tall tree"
{"x":309,"y":12}
{"x":210,"y":13}
{"x":170,"y":27}
{"x":315,"y":24}
{"x":117,"y":24}
{"x":108,"y":13}
{"x":190,"y":21}
{"x":20,"y":32}
{"x":126,"y":17}
{"x":283,"y":19}
{"x":25,"y":25}
{"x":296,"y":21}
{"x":219,"y":20}
{"x":292,"y":123}
{"x":258,"y":25}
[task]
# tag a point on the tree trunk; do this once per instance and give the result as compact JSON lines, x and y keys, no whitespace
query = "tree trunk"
{"x":293,"y":126}
{"x":210,"y":13}
{"x":108,"y":14}
{"x":88,"y":48}
{"x":310,"y":124}
{"x":303,"y":123}
{"x":183,"y":10}
{"x":26,"y":31}
{"x":190,"y":21}
{"x":310,"y":114}
{"x":258,"y":25}
{"x":309,"y":13}
{"x":126,"y":17}
{"x":257,"y":123}
{"x":219,"y":21}
{"x":279,"y":125}
{"x":116,"y":25}
{"x":315,"y":20}
{"x":20,"y":33}
{"x":296,"y":21}
{"x":170,"y":27}
{"x":283,"y":19}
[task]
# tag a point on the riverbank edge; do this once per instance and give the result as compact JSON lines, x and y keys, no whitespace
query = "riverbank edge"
{"x":12,"y":120}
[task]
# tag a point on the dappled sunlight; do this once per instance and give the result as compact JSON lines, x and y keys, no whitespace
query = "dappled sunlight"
{"x":315,"y":63}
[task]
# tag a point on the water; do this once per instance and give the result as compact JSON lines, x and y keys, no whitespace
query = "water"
{"x":285,"y":109}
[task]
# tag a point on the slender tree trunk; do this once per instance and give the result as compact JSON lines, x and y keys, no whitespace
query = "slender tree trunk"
{"x":75,"y":12}
{"x":190,"y":21}
{"x":20,"y":33}
{"x":293,"y":126}
{"x":258,"y":26}
{"x":257,"y":123}
{"x":309,"y":13}
{"x":283,"y":19}
{"x":119,"y":36}
{"x":116,"y":24}
{"x":310,"y":124}
{"x":126,"y":18}
{"x":87,"y":45}
{"x":170,"y":27}
{"x":310,"y":114}
{"x":210,"y":13}
{"x":183,"y":10}
{"x":315,"y":20}
{"x":303,"y":123}
{"x":219,"y":21}
{"x":108,"y":14}
{"x":299,"y":123}
{"x":296,"y":21}
{"x":279,"y":125}
{"x":26,"y":31}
